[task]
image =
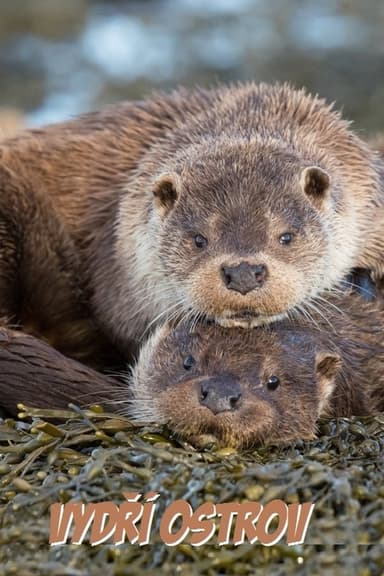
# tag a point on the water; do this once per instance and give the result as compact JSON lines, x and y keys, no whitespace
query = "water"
{"x":58,"y":58}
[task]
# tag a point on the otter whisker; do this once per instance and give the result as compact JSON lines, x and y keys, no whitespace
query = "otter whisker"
{"x":187,"y":317}
{"x":301,"y":309}
{"x":164,"y":315}
{"x":197,"y":319}
{"x":165,"y":294}
{"x":327,"y":305}
{"x":315,"y":306}
{"x":358,"y":287}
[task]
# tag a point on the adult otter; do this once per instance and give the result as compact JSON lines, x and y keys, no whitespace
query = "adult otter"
{"x":41,"y":291}
{"x":241,"y":203}
{"x":269,"y":384}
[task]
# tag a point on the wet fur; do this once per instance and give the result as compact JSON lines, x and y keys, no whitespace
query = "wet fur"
{"x":88,"y":263}
{"x":34,"y":374}
{"x":333,"y":371}
{"x":93,"y":178}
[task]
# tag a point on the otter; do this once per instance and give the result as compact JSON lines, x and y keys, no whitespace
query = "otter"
{"x":239,"y":388}
{"x":40,"y":279}
{"x":241,"y":204}
{"x":35,"y":374}
{"x":11,"y":121}
{"x":269,"y":384}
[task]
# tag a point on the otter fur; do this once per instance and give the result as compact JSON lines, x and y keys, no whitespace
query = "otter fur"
{"x":269,"y":384}
{"x":241,"y":203}
{"x":35,"y":374}
{"x":41,"y":292}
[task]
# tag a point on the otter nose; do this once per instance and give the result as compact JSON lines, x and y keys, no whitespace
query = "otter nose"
{"x":220,"y":394}
{"x":244,"y":277}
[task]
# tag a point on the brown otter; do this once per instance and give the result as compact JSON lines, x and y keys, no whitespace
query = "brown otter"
{"x":40,"y":277}
{"x":241,"y":203}
{"x":269,"y":384}
{"x":11,"y":122}
{"x":35,"y":374}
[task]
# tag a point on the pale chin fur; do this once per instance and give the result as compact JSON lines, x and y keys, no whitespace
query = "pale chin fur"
{"x":246,"y":324}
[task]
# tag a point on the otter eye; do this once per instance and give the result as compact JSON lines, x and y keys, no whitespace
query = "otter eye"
{"x":200,"y":241}
{"x":286,"y":238}
{"x":273,"y":383}
{"x":188,"y":362}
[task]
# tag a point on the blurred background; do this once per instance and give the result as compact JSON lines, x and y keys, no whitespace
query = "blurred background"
{"x":62,"y":57}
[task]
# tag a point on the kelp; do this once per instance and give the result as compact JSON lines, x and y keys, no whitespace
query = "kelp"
{"x":90,"y":456}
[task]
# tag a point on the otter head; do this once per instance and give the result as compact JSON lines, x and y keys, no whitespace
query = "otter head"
{"x":245,"y":233}
{"x":242,"y":388}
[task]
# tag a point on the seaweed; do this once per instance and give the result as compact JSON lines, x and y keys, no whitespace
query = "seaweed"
{"x":50,"y":456}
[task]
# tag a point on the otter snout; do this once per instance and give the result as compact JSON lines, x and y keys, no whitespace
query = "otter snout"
{"x":244,"y":277}
{"x":220,"y":394}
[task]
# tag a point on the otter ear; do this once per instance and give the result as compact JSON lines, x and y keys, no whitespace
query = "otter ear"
{"x":315,"y":184}
{"x":166,"y":192}
{"x":328,"y":365}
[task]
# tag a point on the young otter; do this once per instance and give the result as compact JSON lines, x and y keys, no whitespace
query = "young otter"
{"x":269,"y":384}
{"x":241,"y":203}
